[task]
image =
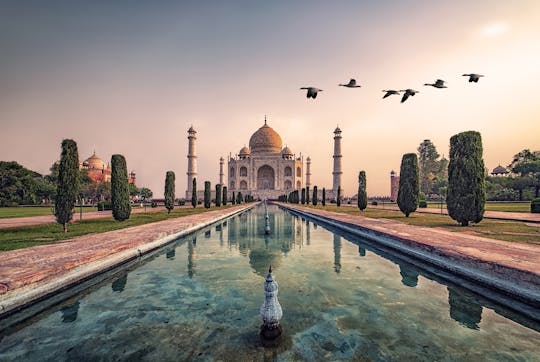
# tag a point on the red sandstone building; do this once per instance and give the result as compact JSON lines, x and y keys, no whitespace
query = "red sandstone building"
{"x":99,"y":171}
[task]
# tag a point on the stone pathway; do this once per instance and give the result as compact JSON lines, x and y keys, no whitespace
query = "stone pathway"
{"x":501,"y":215}
{"x":24,"y":271}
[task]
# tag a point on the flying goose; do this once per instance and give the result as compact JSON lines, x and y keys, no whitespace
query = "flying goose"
{"x":351,"y":84}
{"x":473,"y":77}
{"x":389,"y":92}
{"x":408,"y":92}
{"x":439,"y":83}
{"x":312,"y":92}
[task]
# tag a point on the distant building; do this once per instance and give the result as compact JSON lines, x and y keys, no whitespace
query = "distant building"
{"x":99,"y":171}
{"x":500,"y":171}
{"x":394,"y":186}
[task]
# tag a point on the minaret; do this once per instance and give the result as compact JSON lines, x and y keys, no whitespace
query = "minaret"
{"x":192,"y":161}
{"x":337,"y":161}
{"x":221,"y":174}
{"x":308,"y":171}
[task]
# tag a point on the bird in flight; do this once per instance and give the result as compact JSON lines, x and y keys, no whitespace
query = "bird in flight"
{"x":439,"y":83}
{"x":408,"y":92}
{"x":473,"y":77}
{"x":389,"y":92}
{"x":312,"y":92}
{"x":351,"y":84}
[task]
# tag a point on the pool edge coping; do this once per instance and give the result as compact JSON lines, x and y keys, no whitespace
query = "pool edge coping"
{"x":29,"y":295}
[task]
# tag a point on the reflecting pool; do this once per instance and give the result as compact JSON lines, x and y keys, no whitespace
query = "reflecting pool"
{"x":342,"y":299}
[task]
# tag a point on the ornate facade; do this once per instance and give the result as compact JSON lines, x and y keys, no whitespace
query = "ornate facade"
{"x":265,"y":169}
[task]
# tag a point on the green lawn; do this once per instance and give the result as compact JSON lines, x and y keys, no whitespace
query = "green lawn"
{"x":498,"y":206}
{"x":23,"y":237}
{"x":24,"y":211}
{"x":495,"y":229}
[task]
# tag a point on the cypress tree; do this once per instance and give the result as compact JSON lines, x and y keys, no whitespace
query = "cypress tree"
{"x":307,"y":195}
{"x":194,"y":193}
{"x":362,"y":195}
{"x":67,"y":185}
{"x":303,"y":199}
{"x":218,"y":195}
{"x":233,"y":199}
{"x":239,"y":198}
{"x":323,"y":201}
{"x":466,"y":181}
{"x":409,"y":184}
{"x":224,"y":198}
{"x":207,"y":194}
{"x":121,"y":208}
{"x":169,"y":191}
{"x":338,"y":200}
{"x":315,"y":195}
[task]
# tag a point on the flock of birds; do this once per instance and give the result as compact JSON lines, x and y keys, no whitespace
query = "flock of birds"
{"x":439,"y":83}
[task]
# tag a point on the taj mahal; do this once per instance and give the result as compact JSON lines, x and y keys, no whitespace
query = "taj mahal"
{"x":265,"y":169}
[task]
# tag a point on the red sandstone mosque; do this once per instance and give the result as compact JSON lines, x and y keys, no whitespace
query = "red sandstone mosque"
{"x":99,"y":171}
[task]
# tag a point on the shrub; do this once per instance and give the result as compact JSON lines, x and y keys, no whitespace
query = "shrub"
{"x":181,"y":202}
{"x":207,"y":194}
{"x":338,"y":199}
{"x":218,"y":195}
{"x":466,"y":180}
{"x":153,"y":204}
{"x":422,"y":204}
{"x":535,"y":206}
{"x":409,"y":185}
{"x":121,"y":207}
{"x":104,"y":206}
{"x":224,"y":197}
{"x":362,"y":195}
{"x":194,"y":193}
{"x":169,"y":191}
{"x":67,"y":184}
{"x":374,"y":203}
{"x":315,"y":196}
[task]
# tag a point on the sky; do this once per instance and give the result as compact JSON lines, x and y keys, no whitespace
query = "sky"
{"x":131,"y":77}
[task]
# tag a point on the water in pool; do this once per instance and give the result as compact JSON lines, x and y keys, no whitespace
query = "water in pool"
{"x":342,"y":299}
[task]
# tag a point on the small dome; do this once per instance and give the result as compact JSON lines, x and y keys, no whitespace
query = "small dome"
{"x":94,"y":162}
{"x":337,"y":130}
{"x":265,"y":140}
{"x":192,"y":130}
{"x":308,"y":159}
{"x":244,"y":151}
{"x":499,"y":170}
{"x":286,"y":151}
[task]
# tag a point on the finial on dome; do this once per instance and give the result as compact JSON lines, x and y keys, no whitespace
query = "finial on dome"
{"x":265,"y":119}
{"x":270,"y":269}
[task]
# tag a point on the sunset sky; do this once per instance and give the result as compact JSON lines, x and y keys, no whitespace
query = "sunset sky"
{"x":130,"y":77}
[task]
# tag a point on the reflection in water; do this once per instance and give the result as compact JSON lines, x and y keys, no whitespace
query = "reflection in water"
{"x":171,"y":254}
{"x":337,"y":253}
{"x":308,"y":233}
{"x":70,"y":312}
{"x":464,"y":308}
{"x":409,"y":276}
{"x":191,"y":257}
{"x":119,"y":284}
{"x":361,"y":251}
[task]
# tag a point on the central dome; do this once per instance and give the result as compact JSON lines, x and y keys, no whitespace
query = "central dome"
{"x":265,"y":140}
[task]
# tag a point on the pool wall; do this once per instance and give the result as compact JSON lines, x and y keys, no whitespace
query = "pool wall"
{"x":514,"y":288}
{"x":21,"y":298}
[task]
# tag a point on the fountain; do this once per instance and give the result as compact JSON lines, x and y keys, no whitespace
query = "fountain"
{"x":270,"y":312}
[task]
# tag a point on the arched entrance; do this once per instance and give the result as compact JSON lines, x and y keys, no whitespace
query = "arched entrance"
{"x":265,"y":178}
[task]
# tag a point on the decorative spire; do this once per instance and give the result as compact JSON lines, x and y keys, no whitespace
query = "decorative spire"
{"x":265,"y":119}
{"x":270,"y":311}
